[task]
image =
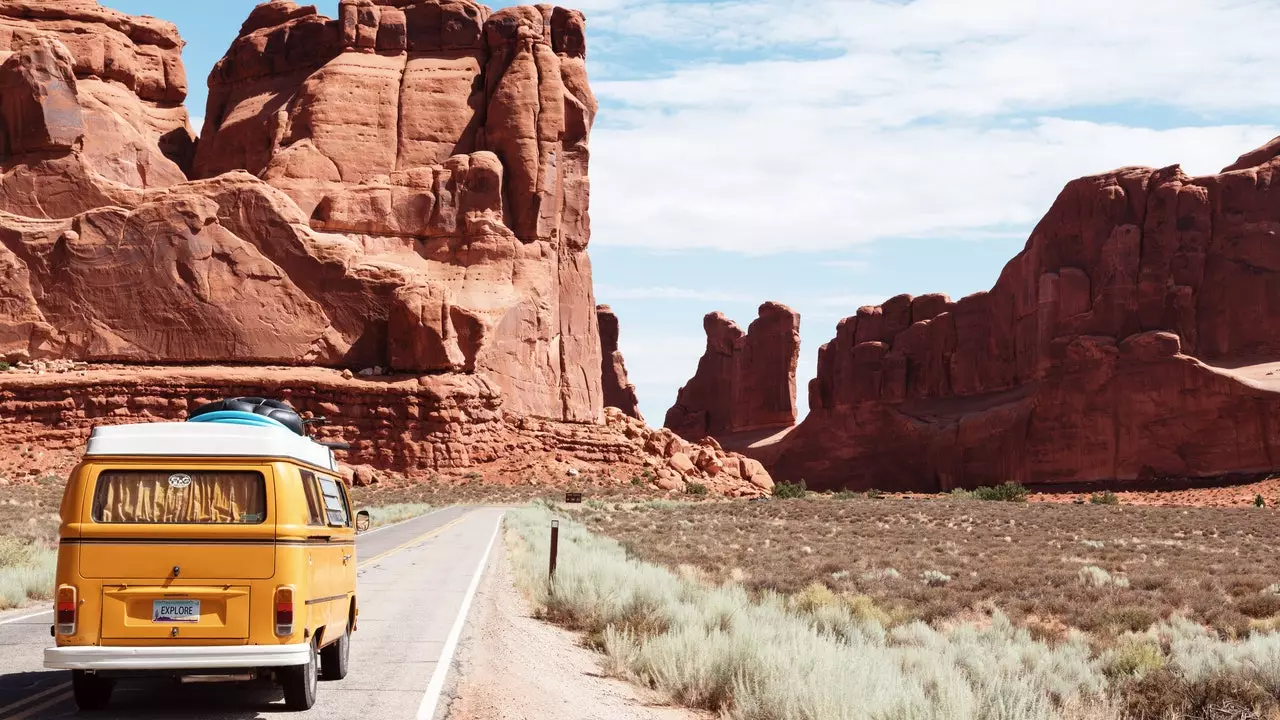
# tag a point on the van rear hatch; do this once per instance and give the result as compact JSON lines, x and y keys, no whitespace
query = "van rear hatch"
{"x":174,"y":547}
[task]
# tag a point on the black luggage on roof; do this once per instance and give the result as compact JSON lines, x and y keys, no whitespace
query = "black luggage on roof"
{"x":277,"y":410}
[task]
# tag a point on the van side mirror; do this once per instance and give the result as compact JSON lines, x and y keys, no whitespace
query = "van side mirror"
{"x":363,"y":520}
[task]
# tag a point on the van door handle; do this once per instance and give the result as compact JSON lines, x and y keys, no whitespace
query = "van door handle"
{"x":345,"y":558}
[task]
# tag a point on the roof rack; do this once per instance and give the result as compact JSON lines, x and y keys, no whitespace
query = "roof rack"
{"x":209,"y":438}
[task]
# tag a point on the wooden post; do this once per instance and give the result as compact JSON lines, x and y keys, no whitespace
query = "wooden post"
{"x":555,"y":547}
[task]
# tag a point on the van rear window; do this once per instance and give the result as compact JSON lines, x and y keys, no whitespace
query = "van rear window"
{"x":165,"y":497}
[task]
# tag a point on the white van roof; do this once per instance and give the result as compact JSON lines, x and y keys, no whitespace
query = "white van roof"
{"x":182,"y":439}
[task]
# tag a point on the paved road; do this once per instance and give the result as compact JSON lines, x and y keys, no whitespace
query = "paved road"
{"x":413,"y":579}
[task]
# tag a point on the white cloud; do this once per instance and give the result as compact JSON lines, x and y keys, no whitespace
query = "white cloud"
{"x":608,"y":293}
{"x":762,"y":182}
{"x":930,"y":117}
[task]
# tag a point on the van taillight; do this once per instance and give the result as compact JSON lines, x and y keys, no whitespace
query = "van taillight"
{"x":284,"y":611}
{"x":66,"y":610}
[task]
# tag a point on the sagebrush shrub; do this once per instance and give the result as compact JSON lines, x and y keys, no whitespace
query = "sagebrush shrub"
{"x":1096,"y":577}
{"x":933,"y":578}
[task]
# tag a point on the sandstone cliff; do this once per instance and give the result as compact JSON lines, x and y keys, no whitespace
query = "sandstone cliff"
{"x":1133,"y":339}
{"x":403,"y":187}
{"x":618,"y":392}
{"x":400,"y":192}
{"x":745,"y":381}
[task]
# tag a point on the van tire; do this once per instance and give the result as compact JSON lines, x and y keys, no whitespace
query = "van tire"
{"x":299,"y":683}
{"x":335,"y":658}
{"x":91,"y":691}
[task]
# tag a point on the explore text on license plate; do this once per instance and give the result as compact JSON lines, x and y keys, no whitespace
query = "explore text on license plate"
{"x":175,"y":611}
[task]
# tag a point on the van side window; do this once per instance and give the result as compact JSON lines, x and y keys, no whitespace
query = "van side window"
{"x":314,"y":505}
{"x":334,"y":503}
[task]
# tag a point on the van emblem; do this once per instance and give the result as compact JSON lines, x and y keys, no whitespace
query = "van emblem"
{"x":178,"y":480}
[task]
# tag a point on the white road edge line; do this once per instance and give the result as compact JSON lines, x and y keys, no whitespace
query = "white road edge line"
{"x":427,"y":710}
{"x":26,"y":617}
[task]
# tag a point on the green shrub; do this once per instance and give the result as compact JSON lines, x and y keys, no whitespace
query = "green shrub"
{"x":1008,"y":492}
{"x":1104,"y":498}
{"x":789,"y":491}
{"x":1258,"y":501}
{"x":874,"y":494}
{"x":1134,"y":657}
{"x":4,"y":366}
{"x":693,"y":488}
{"x":637,"y":480}
{"x":473,"y":476}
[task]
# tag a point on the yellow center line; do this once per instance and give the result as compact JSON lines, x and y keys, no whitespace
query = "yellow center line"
{"x":415,"y":541}
{"x":32,"y":698}
{"x":46,"y":704}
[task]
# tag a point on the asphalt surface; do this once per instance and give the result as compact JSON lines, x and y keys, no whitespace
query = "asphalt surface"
{"x":413,"y":580}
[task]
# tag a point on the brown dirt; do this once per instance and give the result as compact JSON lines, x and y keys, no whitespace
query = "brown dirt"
{"x":1223,"y":497}
{"x":1210,"y":564}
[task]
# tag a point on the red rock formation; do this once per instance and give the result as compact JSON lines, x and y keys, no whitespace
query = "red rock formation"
{"x":124,"y":72}
{"x":745,"y":381}
{"x":415,"y":196}
{"x":406,"y":425}
{"x":1121,"y":346}
{"x":618,"y":392}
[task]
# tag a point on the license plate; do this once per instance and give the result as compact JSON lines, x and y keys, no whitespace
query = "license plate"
{"x":175,"y":611}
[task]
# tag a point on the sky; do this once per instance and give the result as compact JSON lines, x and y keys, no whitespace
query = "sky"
{"x":830,"y":154}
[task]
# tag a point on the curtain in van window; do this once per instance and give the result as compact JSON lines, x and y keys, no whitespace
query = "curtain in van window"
{"x":169,"y":497}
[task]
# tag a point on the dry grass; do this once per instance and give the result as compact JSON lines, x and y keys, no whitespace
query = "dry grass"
{"x":823,"y":654}
{"x":28,"y":547}
{"x":1100,"y":568}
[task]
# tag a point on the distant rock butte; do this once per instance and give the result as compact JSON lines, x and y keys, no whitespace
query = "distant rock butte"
{"x":402,"y":187}
{"x":618,"y":392}
{"x":1135,"y":338}
{"x":745,"y":381}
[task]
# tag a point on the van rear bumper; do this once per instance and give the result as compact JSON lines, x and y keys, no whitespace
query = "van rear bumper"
{"x":185,"y":657}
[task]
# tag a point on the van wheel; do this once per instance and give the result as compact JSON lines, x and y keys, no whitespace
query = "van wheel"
{"x":334,"y":659}
{"x":91,"y":692}
{"x":299,"y":683}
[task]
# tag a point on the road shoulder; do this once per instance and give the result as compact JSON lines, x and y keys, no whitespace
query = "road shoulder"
{"x":510,"y":666}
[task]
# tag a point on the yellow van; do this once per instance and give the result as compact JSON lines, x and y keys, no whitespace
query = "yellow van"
{"x":220,"y":549}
